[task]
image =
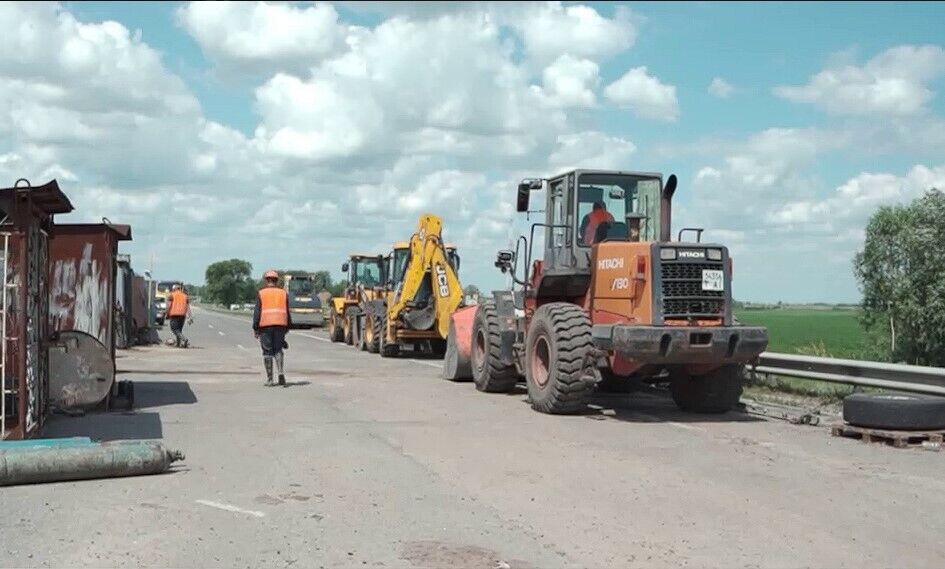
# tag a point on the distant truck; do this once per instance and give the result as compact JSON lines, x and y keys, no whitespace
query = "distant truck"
{"x":304,"y":304}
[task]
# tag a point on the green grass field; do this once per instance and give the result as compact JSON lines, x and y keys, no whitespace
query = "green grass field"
{"x":829,"y":333}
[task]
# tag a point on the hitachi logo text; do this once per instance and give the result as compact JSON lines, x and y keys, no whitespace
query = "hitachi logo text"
{"x":615,"y":263}
{"x":692,"y":254}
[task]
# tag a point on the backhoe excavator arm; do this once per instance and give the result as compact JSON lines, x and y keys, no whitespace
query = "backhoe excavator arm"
{"x":428,"y":257}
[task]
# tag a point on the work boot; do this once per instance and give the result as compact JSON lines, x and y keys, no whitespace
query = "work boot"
{"x":282,"y":379}
{"x":267,"y":361}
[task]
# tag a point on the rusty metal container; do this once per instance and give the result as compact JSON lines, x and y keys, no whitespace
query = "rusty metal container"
{"x":140,"y":306}
{"x":26,"y":220}
{"x":82,"y":278}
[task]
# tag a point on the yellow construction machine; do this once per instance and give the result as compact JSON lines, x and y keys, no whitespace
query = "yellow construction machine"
{"x":422,"y":292}
{"x":365,"y":282}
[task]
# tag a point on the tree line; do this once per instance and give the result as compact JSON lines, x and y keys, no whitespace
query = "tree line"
{"x":231,"y":282}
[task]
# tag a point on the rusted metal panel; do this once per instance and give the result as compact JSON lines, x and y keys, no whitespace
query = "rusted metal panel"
{"x":139,"y":305}
{"x":26,"y":217}
{"x":82,"y":278}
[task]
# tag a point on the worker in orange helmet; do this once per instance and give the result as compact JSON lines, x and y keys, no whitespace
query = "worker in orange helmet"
{"x":271,"y":321}
{"x":178,"y":310}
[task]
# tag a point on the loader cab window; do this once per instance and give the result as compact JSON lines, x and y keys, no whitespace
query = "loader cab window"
{"x":606,"y":199}
{"x":399,"y":265}
{"x":366,"y":272}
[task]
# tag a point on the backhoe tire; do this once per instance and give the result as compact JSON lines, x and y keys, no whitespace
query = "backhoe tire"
{"x":387,"y":349}
{"x":372,"y":332}
{"x":438,"y":348}
{"x":336,"y":332}
{"x":362,"y":336}
{"x":896,"y":411}
{"x":350,"y":324}
{"x":715,"y":392}
{"x":557,"y":346}
{"x":489,"y":373}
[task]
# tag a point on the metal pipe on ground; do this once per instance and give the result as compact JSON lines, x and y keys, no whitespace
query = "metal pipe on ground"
{"x":33,"y":465}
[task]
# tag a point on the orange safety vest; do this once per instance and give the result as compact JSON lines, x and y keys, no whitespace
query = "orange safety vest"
{"x":273,"y":307}
{"x":178,"y":304}
{"x":595,"y":218}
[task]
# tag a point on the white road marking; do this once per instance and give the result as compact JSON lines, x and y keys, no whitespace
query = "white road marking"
{"x":210,"y":325}
{"x":313,"y":337}
{"x":220,"y":332}
{"x":431,"y":364}
{"x":240,"y":346}
{"x":682,"y":426}
{"x":231,"y":508}
{"x":686,"y":427}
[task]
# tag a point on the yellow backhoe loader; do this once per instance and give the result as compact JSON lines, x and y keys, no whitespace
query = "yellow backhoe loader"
{"x":422,"y":293}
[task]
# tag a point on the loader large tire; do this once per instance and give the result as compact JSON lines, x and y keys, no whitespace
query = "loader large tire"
{"x":556,"y":349}
{"x":489,"y":373}
{"x":372,"y":333}
{"x":715,"y":392}
{"x":336,"y":332}
{"x":387,"y":349}
{"x":350,"y":325}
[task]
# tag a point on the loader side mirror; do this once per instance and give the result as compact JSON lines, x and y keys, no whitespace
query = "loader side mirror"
{"x":521,"y":203}
{"x":504,"y":260}
{"x":344,"y":268}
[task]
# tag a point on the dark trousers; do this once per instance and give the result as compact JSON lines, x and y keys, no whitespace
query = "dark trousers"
{"x":177,"y":327}
{"x":271,"y":339}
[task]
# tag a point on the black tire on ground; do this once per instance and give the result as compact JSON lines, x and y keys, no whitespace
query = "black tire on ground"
{"x":489,"y":374}
{"x":897,"y":411}
{"x":715,"y":392}
{"x":372,"y":331}
{"x":556,"y":348}
{"x":386,"y":349}
{"x":351,"y":324}
{"x":362,"y":340}
{"x":336,"y":331}
{"x":438,"y":348}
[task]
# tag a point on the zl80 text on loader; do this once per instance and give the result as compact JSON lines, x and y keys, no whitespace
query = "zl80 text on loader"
{"x":613,"y":299}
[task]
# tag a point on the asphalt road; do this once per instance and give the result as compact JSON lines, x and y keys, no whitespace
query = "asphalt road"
{"x":370,"y":462}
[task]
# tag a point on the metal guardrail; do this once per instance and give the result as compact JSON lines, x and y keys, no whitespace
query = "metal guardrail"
{"x":898,"y":377}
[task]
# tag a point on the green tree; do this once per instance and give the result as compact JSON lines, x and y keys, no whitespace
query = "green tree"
{"x":901,"y":272}
{"x":322,"y":280}
{"x":471,"y":290}
{"x":230,"y":282}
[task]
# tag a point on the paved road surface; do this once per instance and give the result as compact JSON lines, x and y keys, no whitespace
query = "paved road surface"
{"x":365,"y":462}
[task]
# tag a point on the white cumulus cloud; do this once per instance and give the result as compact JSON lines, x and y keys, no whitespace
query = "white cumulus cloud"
{"x":721,"y":88}
{"x":645,"y":95}
{"x":895,"y":82}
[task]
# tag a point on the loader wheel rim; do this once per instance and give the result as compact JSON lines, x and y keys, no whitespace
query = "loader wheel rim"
{"x":480,"y":350}
{"x":540,"y":361}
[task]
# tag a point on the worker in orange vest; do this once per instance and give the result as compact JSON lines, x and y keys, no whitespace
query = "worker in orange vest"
{"x":178,"y":310}
{"x":271,"y":321}
{"x":591,"y":221}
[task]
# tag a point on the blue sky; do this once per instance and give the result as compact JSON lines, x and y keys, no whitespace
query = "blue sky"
{"x":302,"y":142}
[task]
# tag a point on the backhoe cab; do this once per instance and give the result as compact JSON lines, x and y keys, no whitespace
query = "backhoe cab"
{"x":612,"y":300}
{"x":365,"y":280}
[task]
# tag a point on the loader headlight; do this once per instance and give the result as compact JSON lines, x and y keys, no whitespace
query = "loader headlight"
{"x":668,"y":254}
{"x":713,"y":254}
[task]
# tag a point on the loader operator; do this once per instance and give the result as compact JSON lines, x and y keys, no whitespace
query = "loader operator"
{"x":178,"y":310}
{"x":271,"y":321}
{"x":590,"y":222}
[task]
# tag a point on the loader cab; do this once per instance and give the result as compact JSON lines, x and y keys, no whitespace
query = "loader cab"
{"x":365,"y":270}
{"x":584,"y":207}
{"x":396,"y":264}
